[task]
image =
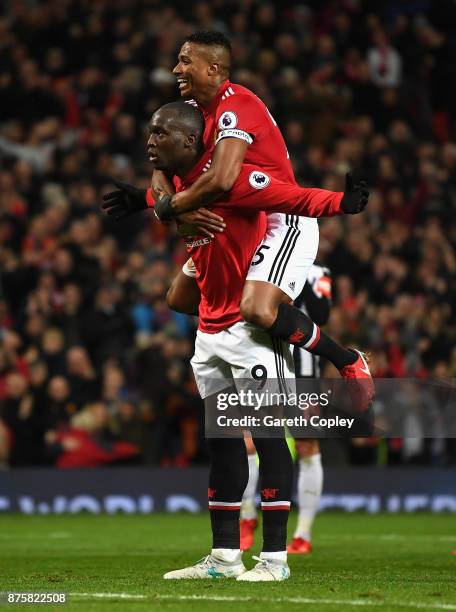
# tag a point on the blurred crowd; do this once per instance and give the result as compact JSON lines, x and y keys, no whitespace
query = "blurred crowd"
{"x":93,"y":365}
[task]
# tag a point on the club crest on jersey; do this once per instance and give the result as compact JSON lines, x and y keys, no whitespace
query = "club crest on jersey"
{"x":228,"y":120}
{"x":259,"y":180}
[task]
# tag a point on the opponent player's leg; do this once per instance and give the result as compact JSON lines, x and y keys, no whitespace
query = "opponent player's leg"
{"x":249,"y":520}
{"x":228,"y":473}
{"x":310,"y":485}
{"x":276,"y":277}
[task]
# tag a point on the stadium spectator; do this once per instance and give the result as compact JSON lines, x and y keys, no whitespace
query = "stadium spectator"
{"x":82,"y":299}
{"x":88,"y":442}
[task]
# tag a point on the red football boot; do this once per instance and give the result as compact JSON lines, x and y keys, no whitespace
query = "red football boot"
{"x":299,"y":546}
{"x":248,"y":527}
{"x":360,"y":383}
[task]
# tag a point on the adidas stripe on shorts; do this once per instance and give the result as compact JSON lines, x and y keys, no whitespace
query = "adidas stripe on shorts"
{"x":286,"y":254}
{"x":244,"y":356}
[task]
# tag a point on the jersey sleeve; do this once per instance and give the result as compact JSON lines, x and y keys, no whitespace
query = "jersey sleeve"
{"x":150,"y":199}
{"x":258,"y":190}
{"x":241,"y":116}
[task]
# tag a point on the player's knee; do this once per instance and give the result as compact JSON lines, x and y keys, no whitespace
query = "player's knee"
{"x":261,"y":314}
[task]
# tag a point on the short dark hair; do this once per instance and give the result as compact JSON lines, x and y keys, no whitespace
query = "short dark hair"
{"x":210,"y":38}
{"x":188,"y":114}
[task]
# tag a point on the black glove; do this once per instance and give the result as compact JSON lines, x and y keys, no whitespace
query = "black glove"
{"x":126,"y":201}
{"x":355,"y":196}
{"x":163,"y":209}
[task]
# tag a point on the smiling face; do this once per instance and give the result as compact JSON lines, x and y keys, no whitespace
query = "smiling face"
{"x":201,"y":69}
{"x":194,"y":70}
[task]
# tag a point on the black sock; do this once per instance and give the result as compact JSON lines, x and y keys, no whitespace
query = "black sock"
{"x":295,"y":327}
{"x":276,"y":480}
{"x":228,"y":476}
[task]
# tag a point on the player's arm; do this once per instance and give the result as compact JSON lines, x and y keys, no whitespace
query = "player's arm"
{"x":161,"y":185}
{"x":257,"y":190}
{"x":219,"y":179}
{"x":184,"y":294}
{"x":240,"y":119}
{"x":127,"y":200}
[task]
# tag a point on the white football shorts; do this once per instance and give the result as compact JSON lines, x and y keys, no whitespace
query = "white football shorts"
{"x":287,"y":253}
{"x":244,"y":356}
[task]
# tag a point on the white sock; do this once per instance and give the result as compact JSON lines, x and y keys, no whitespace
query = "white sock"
{"x":248,"y":507}
{"x":229,"y":555}
{"x":310,"y":485}
{"x":279,"y":556}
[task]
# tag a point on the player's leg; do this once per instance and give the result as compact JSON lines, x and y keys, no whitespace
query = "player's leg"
{"x":253,"y":351}
{"x":228,"y":473}
{"x":269,"y":307}
{"x":249,"y":520}
{"x":228,"y":476}
{"x":276,"y":277}
{"x":310,"y":485}
{"x":276,"y":481}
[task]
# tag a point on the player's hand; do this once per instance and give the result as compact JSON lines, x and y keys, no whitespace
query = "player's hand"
{"x":204,"y":221}
{"x":355,"y":196}
{"x":126,"y":201}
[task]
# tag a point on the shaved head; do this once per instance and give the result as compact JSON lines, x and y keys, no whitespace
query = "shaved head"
{"x":185,"y":117}
{"x":175,"y":141}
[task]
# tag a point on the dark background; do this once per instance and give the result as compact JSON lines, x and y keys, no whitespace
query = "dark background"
{"x":91,"y":359}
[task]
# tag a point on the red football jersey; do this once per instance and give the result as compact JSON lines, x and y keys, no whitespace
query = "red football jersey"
{"x":236,"y":112}
{"x":258,"y":190}
{"x":222,"y":263}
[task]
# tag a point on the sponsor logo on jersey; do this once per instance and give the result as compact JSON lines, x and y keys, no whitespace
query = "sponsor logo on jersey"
{"x":228,"y":120}
{"x":269,"y":493}
{"x":292,"y":285}
{"x":259,"y":180}
{"x":199,"y":242}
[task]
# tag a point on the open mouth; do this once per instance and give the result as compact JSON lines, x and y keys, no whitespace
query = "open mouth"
{"x":182,"y":83}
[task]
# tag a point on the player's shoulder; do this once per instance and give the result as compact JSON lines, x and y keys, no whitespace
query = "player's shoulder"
{"x":238,"y":93}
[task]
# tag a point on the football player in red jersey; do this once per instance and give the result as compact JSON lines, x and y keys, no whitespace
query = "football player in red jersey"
{"x":239,"y":128}
{"x":227,"y":348}
{"x":316,"y":301}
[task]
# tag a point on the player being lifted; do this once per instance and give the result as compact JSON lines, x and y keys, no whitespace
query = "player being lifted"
{"x":227,"y":348}
{"x":316,"y":301}
{"x":239,"y":128}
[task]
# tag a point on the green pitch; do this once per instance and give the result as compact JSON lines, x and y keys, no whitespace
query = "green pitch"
{"x":395,"y":562}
